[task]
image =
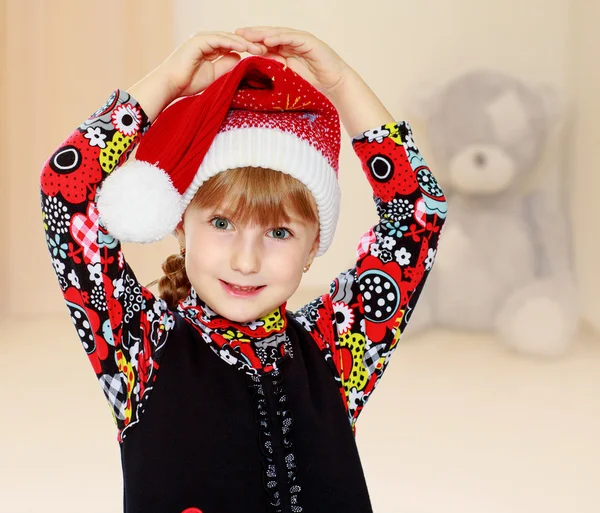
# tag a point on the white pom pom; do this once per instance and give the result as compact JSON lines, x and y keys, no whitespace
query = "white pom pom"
{"x":138,"y":203}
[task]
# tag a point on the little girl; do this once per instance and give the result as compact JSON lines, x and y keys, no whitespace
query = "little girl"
{"x":224,"y":401}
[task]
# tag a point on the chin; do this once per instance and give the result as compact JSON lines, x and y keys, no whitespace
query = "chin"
{"x":241,"y":314}
{"x":235,"y":315}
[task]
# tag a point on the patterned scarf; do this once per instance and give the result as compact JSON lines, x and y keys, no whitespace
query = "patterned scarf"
{"x":255,"y":348}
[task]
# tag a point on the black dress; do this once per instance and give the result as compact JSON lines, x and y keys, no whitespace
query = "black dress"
{"x":287,"y":432}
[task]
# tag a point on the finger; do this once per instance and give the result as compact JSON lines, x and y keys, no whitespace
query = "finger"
{"x":213,"y":46}
{"x":276,"y":57}
{"x":252,"y":47}
{"x":215,"y":49}
{"x":258,"y":49}
{"x":279,"y":37}
{"x":213,"y":42}
{"x":284,"y":40}
{"x":226,"y":63}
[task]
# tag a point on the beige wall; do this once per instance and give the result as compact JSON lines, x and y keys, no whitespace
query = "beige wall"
{"x":64,"y":58}
{"x":584,"y":80}
{"x":4,"y":245}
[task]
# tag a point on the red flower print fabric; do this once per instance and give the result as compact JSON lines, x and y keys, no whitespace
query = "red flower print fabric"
{"x":358,"y":324}
{"x":122,"y":326}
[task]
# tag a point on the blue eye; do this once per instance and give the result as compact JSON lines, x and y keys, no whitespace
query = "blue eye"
{"x":220,"y":223}
{"x":280,"y":233}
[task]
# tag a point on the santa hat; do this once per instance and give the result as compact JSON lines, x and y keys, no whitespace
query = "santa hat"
{"x":260,"y":114}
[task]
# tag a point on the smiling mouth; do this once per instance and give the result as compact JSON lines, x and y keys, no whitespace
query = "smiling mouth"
{"x":241,"y":291}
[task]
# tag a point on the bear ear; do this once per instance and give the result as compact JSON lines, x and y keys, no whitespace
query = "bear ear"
{"x":424,"y":99}
{"x":557,"y":106}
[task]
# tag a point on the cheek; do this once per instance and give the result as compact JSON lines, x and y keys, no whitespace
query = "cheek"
{"x":199,"y":258}
{"x":203,"y":260}
{"x":287,"y":262}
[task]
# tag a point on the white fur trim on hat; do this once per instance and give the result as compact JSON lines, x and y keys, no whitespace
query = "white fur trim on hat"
{"x":138,"y":203}
{"x":280,"y":151}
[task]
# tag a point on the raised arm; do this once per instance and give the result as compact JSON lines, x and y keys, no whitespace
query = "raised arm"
{"x":122,"y":326}
{"x":358,"y":324}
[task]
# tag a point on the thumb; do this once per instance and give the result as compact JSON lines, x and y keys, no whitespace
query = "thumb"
{"x":226,"y":63}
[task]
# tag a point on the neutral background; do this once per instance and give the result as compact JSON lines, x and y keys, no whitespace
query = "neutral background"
{"x":458,"y":424}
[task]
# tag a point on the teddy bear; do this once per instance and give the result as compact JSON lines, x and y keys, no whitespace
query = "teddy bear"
{"x":504,"y":259}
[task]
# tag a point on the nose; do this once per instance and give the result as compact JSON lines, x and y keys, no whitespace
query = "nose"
{"x":246,"y":256}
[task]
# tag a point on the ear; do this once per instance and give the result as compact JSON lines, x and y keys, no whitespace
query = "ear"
{"x":557,"y":106}
{"x":180,"y":233}
{"x":424,"y":100}
{"x":313,"y":250}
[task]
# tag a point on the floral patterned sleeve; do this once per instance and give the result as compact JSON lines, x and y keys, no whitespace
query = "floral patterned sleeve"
{"x":358,"y":324}
{"x":121,"y":325}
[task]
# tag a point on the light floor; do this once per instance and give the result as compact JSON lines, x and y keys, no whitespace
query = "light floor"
{"x":457,"y":425}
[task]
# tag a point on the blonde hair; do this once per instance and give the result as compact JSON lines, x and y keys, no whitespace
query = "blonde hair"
{"x":254,"y":194}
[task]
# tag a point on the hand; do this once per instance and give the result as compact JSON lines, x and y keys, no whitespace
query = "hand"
{"x":302,"y":52}
{"x":191,"y":68}
{"x":317,"y":63}
{"x":203,"y":58}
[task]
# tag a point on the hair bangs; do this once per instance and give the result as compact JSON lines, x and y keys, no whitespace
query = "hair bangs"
{"x":258,"y":196}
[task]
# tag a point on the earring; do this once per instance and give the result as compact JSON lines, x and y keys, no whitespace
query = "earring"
{"x":306,"y":268}
{"x":182,"y":251}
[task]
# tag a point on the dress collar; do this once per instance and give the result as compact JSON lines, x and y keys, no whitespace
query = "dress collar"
{"x":255,"y":347}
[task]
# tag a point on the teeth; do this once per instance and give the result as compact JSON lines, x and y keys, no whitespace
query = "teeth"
{"x":245,"y":289}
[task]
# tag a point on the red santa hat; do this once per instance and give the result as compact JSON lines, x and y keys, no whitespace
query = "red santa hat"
{"x":260,"y":114}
